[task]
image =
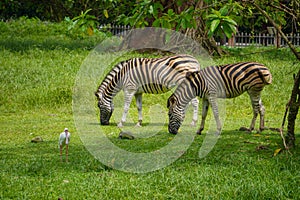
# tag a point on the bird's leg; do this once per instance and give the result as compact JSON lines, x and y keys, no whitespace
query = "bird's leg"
{"x":67,"y":152}
{"x":60,"y":151}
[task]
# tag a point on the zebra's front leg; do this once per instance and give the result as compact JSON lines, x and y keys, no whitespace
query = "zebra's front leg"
{"x":138,"y":98}
{"x":127,"y":100}
{"x":214,"y":105}
{"x":205,"y":106}
{"x":195,"y":104}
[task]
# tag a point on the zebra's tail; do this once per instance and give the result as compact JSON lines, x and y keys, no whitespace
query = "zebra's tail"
{"x":266,"y":76}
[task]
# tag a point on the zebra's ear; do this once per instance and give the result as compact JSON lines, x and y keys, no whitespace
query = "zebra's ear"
{"x":171,"y":101}
{"x":188,"y":74}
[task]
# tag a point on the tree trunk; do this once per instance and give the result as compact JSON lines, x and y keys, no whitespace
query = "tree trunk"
{"x":293,"y":111}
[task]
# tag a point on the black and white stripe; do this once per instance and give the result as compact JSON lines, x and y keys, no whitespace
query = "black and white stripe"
{"x":143,"y":75}
{"x":227,"y":81}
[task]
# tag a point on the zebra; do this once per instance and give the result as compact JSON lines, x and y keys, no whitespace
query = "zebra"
{"x":226,"y":81}
{"x":143,"y":75}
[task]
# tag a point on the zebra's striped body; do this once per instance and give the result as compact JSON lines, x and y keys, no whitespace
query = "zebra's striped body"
{"x":227,"y":81}
{"x":143,"y":75}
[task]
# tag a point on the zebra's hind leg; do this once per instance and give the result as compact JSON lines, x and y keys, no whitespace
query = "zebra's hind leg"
{"x":138,"y":98}
{"x":205,"y":106}
{"x":262,"y":116}
{"x":195,"y":104}
{"x":258,"y":108}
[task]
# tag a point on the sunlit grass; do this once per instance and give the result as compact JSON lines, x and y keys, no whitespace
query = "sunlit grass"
{"x":37,"y":85}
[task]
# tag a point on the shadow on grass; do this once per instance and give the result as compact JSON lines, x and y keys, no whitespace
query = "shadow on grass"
{"x":233,"y":148}
{"x":269,"y":53}
{"x":51,"y":43}
{"x":43,"y":159}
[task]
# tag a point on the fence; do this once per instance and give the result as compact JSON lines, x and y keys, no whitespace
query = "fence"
{"x":119,"y":30}
{"x":239,"y":40}
{"x":259,"y":39}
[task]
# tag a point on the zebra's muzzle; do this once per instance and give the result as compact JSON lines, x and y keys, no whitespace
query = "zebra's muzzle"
{"x":173,"y":130}
{"x":104,"y":122}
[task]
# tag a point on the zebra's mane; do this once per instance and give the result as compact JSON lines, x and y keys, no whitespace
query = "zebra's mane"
{"x":111,"y":82}
{"x":111,"y":78}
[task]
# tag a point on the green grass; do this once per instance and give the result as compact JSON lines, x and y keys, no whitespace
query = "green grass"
{"x":37,"y":78}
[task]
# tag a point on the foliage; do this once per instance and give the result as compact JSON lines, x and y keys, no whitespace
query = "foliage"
{"x":176,"y":14}
{"x":57,"y":10}
{"x":151,"y":13}
{"x":219,"y":23}
{"x":83,"y":25}
{"x":256,"y":22}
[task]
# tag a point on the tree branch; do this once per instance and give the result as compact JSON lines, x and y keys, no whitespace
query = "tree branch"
{"x":297,"y":54}
{"x":285,"y":9}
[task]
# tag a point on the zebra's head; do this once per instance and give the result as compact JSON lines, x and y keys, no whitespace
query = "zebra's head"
{"x":106,"y":109}
{"x":176,"y":114}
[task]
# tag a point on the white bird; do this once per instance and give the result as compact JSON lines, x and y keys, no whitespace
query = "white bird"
{"x":64,"y":139}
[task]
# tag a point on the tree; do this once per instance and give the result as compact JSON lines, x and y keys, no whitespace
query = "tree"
{"x":106,"y":11}
{"x":185,"y":16}
{"x":294,"y":105}
{"x":294,"y":102}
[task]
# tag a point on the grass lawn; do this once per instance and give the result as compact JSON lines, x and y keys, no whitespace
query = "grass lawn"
{"x":39,"y":65}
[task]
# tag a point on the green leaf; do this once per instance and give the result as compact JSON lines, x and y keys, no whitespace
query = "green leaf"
{"x":105,"y":13}
{"x":228,"y":29}
{"x":158,"y":6}
{"x":67,"y":19}
{"x":170,"y":12}
{"x":214,"y":25}
{"x":151,"y":10}
{"x":88,"y":10}
{"x":231,"y":21}
{"x":212,"y":16}
{"x":166,"y":24}
{"x":223,"y":11}
{"x":210,"y":34}
{"x":183,"y":24}
{"x":156,"y":23}
{"x":277,"y":151}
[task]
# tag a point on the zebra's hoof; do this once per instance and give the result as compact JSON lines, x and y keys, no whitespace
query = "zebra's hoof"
{"x":247,"y":130}
{"x":138,"y":125}
{"x":261,"y":129}
{"x":193,"y":123}
{"x":217,"y":133}
{"x":120,"y":125}
{"x":104,"y":123}
{"x":199,"y":131}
